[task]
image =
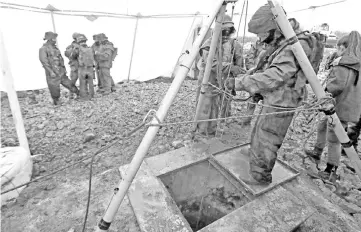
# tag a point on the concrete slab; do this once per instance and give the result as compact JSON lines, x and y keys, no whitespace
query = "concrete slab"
{"x":153,"y":206}
{"x":156,"y":210}
{"x":180,"y":158}
{"x":236,"y":161}
{"x":275,"y":211}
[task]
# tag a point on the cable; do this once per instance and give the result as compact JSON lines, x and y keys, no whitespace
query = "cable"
{"x":13,"y":6}
{"x":82,"y":160}
{"x":91,"y":168}
{"x":244,"y":29}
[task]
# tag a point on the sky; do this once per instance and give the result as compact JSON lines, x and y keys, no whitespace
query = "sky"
{"x":159,"y":42}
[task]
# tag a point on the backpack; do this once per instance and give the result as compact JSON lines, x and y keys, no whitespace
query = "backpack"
{"x":316,"y":41}
{"x":114,"y":53}
{"x":86,"y":56}
{"x":68,"y":51}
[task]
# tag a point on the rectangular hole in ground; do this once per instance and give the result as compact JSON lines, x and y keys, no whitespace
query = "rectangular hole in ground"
{"x":202,"y":194}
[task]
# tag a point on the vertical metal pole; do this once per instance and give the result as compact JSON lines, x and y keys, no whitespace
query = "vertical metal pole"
{"x":317,"y":88}
{"x":12,"y":96}
{"x":54,"y":29}
{"x":212,"y":51}
{"x":52,"y":20}
{"x":134,"y":38}
{"x":143,"y":148}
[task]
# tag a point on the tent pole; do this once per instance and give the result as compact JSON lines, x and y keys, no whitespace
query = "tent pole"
{"x":134,"y":38}
{"x":300,"y":55}
{"x":12,"y":96}
{"x":53,"y":22}
{"x":211,"y":54}
{"x":143,"y":148}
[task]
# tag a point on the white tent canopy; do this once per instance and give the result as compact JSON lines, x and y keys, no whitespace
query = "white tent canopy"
{"x":159,"y":41}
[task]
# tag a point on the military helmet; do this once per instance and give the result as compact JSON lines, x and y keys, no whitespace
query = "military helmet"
{"x":81,"y":38}
{"x":102,"y":37}
{"x":263,"y":21}
{"x":227,"y":22}
{"x":75,"y":35}
{"x":96,"y":37}
{"x":50,"y":35}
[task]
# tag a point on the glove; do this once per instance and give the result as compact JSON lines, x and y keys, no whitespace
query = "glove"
{"x":329,"y":111}
{"x":236,"y":70}
{"x":328,"y":107}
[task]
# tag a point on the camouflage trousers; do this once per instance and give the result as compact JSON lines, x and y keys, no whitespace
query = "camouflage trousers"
{"x":209,"y":110}
{"x":86,"y":75}
{"x":55,"y":82}
{"x":325,"y":132}
{"x":213,"y":104}
{"x":267,"y":137}
{"x":353,"y":132}
{"x":74,"y":74}
{"x":105,"y":82}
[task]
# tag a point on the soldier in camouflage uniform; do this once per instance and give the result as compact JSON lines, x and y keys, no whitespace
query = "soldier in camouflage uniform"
{"x":95,"y":47}
{"x":53,"y":63}
{"x":282,"y":84}
{"x":104,"y":56}
{"x":262,"y":52}
{"x":221,"y":66}
{"x":86,"y":63}
{"x":73,"y":61}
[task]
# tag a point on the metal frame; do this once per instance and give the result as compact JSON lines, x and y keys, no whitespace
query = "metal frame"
{"x":247,"y":187}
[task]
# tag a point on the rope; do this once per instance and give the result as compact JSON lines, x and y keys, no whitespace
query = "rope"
{"x":13,"y":6}
{"x":320,"y":102}
{"x":233,"y":117}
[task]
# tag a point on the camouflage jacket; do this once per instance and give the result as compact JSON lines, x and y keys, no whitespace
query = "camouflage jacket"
{"x":344,"y":85}
{"x":103,"y":56}
{"x":226,"y":53}
{"x":282,"y":83}
{"x":51,"y":59}
{"x":71,"y":53}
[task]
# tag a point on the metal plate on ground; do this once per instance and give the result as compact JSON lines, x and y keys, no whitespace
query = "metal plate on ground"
{"x":236,"y":162}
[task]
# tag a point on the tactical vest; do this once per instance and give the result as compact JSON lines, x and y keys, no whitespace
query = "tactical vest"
{"x":86,"y":56}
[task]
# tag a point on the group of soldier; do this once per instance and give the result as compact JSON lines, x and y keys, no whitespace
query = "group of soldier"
{"x":274,"y":76}
{"x":85,"y":63}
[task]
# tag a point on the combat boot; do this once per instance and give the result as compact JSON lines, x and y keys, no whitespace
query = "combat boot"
{"x":56,"y":101}
{"x":329,"y":173}
{"x":315,"y":154}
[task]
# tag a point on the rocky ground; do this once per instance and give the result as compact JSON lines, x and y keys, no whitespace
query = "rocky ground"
{"x":67,"y":133}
